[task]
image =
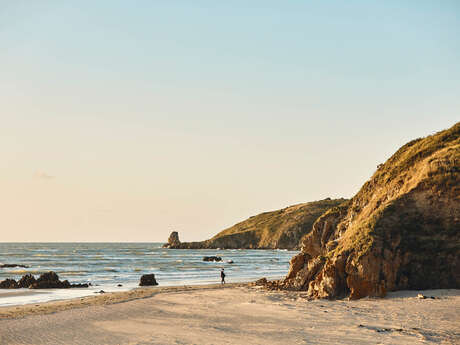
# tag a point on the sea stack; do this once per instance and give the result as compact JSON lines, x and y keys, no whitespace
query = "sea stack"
{"x":173,"y":240}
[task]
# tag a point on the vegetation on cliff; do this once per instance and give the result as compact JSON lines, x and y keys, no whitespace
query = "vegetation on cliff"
{"x":281,"y":229}
{"x":400,"y":231}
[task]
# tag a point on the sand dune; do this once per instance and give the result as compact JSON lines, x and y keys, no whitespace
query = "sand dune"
{"x":236,"y":314}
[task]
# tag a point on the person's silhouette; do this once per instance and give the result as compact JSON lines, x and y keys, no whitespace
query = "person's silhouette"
{"x":222,"y":276}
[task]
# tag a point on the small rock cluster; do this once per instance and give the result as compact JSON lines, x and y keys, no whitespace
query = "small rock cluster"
{"x":49,"y":280}
{"x":212,"y":258}
{"x":267,"y":284}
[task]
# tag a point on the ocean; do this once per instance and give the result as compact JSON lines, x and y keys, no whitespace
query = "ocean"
{"x":105,"y":265}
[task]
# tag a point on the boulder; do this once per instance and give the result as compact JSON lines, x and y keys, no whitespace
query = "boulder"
{"x":9,"y":284}
{"x":261,"y":282}
{"x":50,"y":276}
{"x":212,"y":258}
{"x":148,"y":280}
{"x":26,"y":281}
{"x":50,"y":280}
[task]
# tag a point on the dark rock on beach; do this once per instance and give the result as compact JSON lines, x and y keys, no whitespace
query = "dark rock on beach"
{"x":212,"y":258}
{"x":9,"y":284}
{"x":148,"y":280}
{"x":49,"y":280}
{"x":26,"y":281}
{"x":261,"y":282}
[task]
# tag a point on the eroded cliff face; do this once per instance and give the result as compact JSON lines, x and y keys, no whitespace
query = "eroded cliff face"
{"x":282,"y":229}
{"x":401,"y":231}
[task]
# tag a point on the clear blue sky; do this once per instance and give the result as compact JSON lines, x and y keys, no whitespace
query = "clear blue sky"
{"x":122,"y":121}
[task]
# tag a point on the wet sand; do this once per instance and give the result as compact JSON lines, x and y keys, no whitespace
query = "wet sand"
{"x":235,"y":314}
{"x":19,"y":293}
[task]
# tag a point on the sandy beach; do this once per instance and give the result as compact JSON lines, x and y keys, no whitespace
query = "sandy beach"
{"x":234,"y":314}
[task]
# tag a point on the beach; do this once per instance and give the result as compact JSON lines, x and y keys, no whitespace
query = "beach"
{"x":234,"y":314}
{"x":117,"y":267}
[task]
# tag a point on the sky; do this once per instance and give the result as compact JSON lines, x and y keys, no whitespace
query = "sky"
{"x":123,"y":121}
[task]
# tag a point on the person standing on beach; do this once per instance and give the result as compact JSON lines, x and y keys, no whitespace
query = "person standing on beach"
{"x":222,"y":276}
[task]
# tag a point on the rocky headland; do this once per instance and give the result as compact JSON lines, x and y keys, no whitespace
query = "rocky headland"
{"x":281,"y":229}
{"x":401,"y":231}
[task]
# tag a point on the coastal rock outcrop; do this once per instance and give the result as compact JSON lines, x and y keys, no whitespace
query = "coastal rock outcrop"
{"x":401,"y":231}
{"x":173,"y":240}
{"x":49,"y":280}
{"x":212,"y":258}
{"x":9,"y":284}
{"x":148,"y":280}
{"x":13,"y":265}
{"x":281,"y":229}
{"x":26,"y":281}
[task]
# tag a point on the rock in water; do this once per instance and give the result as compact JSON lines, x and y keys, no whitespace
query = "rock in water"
{"x":50,"y":280}
{"x":84,"y":285}
{"x":26,"y":281}
{"x":212,"y":258}
{"x":401,"y":231}
{"x":9,"y":284}
{"x":173,"y":240}
{"x":48,"y":277}
{"x":148,"y":280}
{"x":12,"y":266}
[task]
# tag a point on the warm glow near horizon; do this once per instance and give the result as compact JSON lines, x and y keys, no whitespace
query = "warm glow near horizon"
{"x":123,"y":122}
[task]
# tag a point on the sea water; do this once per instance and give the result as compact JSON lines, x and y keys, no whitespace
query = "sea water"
{"x":106,"y":265}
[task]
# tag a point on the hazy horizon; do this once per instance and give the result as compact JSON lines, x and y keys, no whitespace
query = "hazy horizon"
{"x":122,"y":123}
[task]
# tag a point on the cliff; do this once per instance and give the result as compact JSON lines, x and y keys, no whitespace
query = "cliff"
{"x":400,"y":231}
{"x":281,"y":229}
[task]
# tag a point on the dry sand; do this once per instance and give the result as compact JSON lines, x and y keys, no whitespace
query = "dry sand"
{"x":236,"y":314}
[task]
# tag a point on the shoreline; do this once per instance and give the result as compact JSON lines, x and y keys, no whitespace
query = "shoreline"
{"x":24,"y":296}
{"x":236,"y":313}
{"x":107,"y":298}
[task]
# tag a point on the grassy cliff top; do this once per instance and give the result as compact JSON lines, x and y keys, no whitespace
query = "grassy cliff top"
{"x":431,"y":163}
{"x":271,"y":226}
